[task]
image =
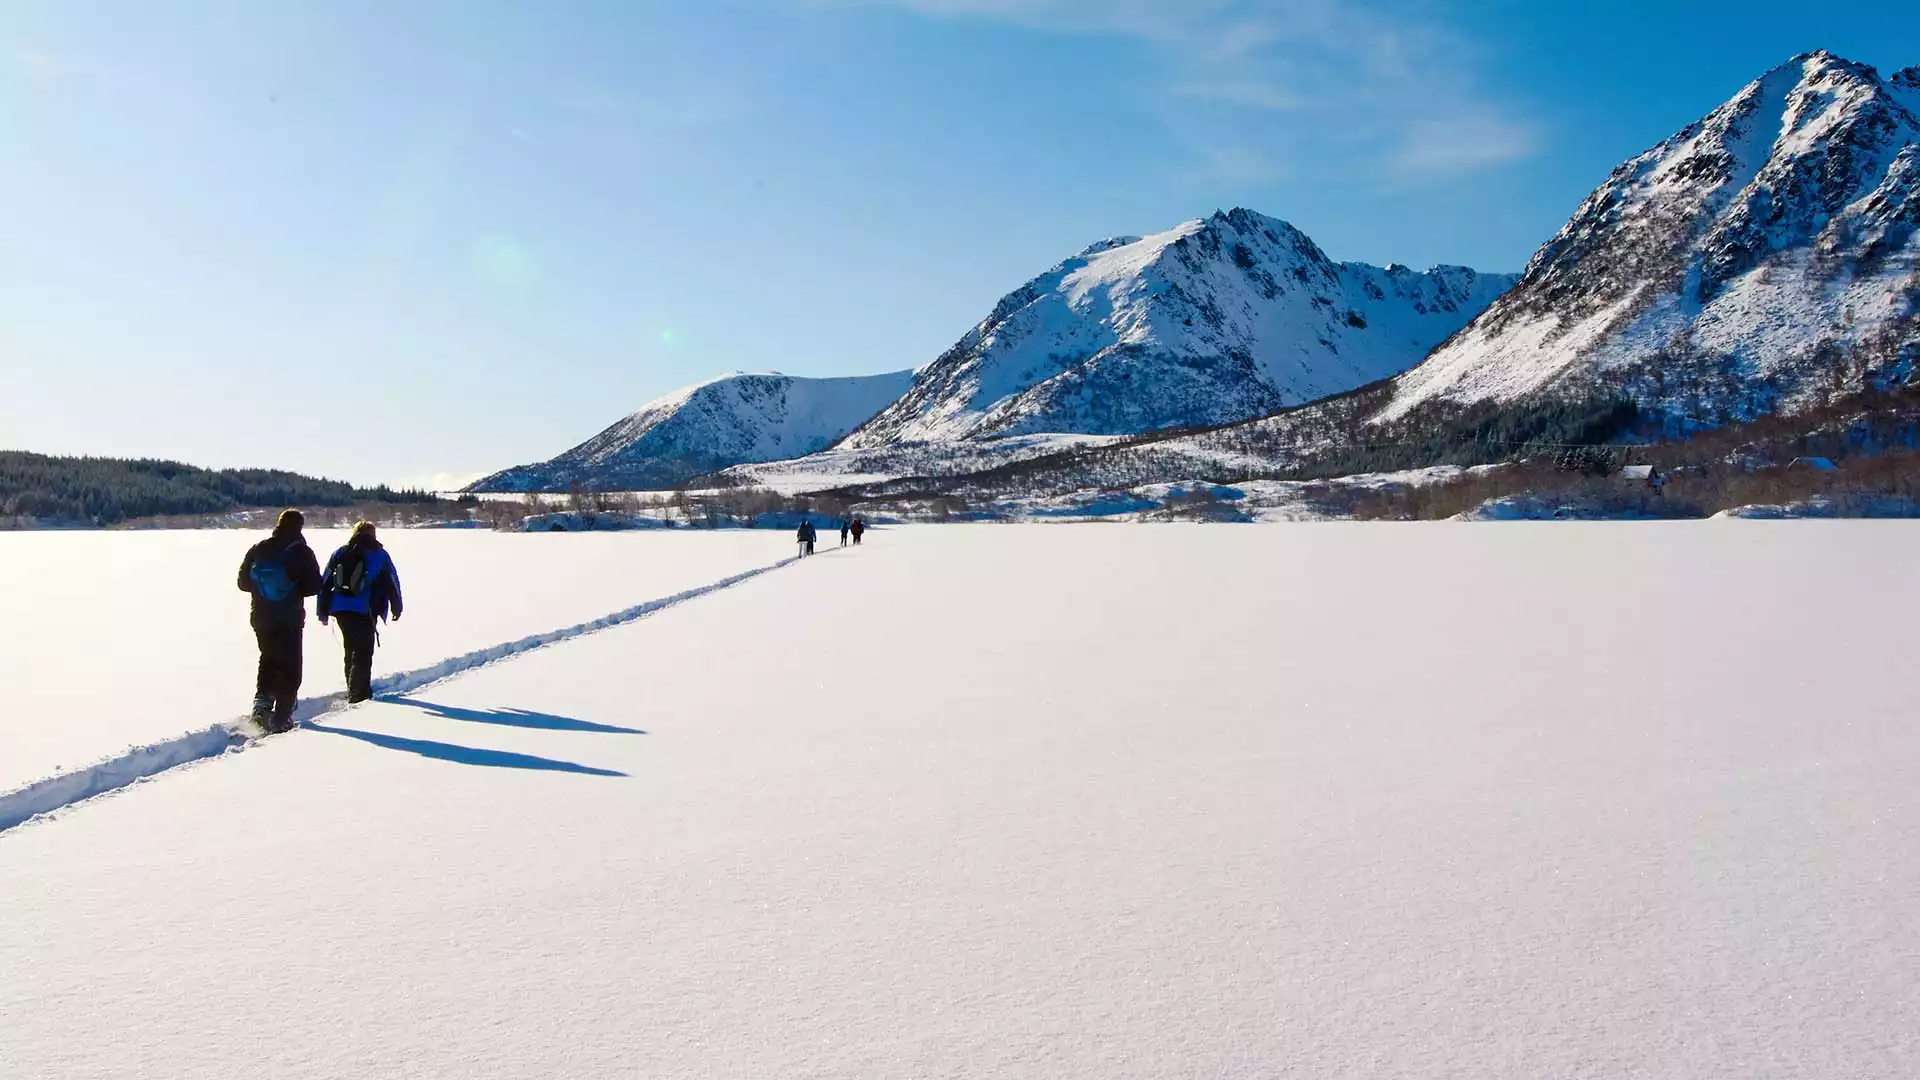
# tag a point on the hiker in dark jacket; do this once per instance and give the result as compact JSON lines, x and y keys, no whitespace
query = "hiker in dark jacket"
{"x":859,"y":529}
{"x":361,"y":586}
{"x":845,"y":526}
{"x":806,"y":536}
{"x":279,"y":573}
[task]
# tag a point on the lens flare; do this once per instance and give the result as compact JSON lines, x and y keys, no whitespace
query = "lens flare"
{"x":505,"y":263}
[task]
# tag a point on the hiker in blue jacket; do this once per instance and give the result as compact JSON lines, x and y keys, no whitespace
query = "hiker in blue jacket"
{"x":361,"y":585}
{"x":279,"y":573}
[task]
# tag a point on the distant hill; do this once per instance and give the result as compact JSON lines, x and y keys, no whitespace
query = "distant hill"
{"x":107,"y":491}
{"x":708,"y":426}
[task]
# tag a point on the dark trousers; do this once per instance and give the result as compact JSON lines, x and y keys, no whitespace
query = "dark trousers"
{"x":278,"y":680}
{"x":357,"y":638}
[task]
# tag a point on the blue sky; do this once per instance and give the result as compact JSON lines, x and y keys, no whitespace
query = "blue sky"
{"x":392,"y":240}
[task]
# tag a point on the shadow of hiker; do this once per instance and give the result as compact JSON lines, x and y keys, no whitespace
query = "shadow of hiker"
{"x":465,"y":755}
{"x":520,"y":718}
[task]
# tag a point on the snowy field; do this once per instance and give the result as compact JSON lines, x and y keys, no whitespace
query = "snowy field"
{"x":1320,"y":801}
{"x":121,"y":638}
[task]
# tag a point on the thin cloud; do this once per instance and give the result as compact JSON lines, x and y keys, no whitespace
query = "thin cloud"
{"x":1154,"y":20}
{"x":1249,"y":93}
{"x":1400,"y":89}
{"x":1465,"y":143}
{"x":1222,"y":160}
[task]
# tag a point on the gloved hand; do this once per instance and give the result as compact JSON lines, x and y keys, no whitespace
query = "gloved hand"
{"x":396,"y":616}
{"x":323,"y":620}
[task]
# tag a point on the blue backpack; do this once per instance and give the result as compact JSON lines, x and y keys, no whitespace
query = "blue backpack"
{"x":271,"y":582}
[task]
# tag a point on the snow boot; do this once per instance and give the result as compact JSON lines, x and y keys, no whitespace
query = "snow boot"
{"x":262,"y":715}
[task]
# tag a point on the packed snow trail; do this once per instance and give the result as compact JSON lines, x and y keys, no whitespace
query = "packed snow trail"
{"x":138,"y":763}
{"x":1368,"y":801}
{"x":130,"y":637}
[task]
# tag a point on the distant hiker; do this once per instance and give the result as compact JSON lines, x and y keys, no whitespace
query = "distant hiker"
{"x":806,"y":537}
{"x":280,"y":572}
{"x":361,"y":586}
{"x":845,"y":527}
{"x":858,"y":527}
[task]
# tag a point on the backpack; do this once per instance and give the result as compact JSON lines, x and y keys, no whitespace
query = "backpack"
{"x":349,"y":576}
{"x":271,"y":582}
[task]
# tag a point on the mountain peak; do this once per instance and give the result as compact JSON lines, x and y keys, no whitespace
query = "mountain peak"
{"x":1107,"y":244}
{"x":1217,"y":319}
{"x":1735,"y":259}
{"x":1243,"y":217}
{"x":1822,"y":62}
{"x":1246,"y":220}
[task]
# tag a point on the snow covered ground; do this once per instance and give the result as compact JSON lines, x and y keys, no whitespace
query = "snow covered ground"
{"x":120,"y":638}
{"x":1080,"y":801}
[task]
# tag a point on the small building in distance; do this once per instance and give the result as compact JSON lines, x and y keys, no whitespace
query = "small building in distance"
{"x":1643,"y":474}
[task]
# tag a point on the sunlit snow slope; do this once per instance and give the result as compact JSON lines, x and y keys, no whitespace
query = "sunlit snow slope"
{"x":1216,"y":320}
{"x":709,"y":426}
{"x":1761,"y":257}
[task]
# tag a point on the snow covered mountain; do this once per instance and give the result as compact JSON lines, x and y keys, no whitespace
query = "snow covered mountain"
{"x":1764,"y":259}
{"x":1216,"y":320}
{"x":708,"y":426}
{"x":1760,"y":260}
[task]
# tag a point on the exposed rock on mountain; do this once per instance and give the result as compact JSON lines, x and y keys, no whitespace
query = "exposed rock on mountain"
{"x":1760,"y":260}
{"x":1213,"y":321}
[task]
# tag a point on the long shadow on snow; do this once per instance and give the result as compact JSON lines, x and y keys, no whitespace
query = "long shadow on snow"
{"x":465,"y":755}
{"x":66,"y":788}
{"x":520,"y":718}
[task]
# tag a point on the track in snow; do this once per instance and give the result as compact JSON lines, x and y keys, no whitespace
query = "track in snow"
{"x":139,"y":762}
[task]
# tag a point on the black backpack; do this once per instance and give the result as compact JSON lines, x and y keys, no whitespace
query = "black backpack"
{"x":349,"y":576}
